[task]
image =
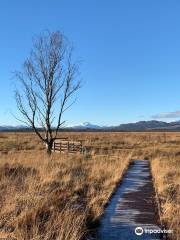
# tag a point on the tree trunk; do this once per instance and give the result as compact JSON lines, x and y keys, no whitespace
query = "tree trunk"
{"x":48,"y":150}
{"x":49,"y":146}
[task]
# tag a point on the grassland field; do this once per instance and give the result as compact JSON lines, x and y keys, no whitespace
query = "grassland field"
{"x":63,"y":196}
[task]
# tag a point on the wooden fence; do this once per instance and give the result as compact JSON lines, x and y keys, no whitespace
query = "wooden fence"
{"x":65,"y":145}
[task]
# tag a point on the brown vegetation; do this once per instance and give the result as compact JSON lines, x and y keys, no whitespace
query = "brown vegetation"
{"x":64,"y":197}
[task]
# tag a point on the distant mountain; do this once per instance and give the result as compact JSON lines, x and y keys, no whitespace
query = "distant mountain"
{"x":13,"y":128}
{"x":86,"y":125}
{"x":143,"y":125}
{"x":137,"y":126}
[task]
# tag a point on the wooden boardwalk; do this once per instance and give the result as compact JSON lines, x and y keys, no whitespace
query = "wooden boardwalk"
{"x":133,"y":205}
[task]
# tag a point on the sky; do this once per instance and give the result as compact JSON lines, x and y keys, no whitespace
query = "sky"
{"x":129,"y":53}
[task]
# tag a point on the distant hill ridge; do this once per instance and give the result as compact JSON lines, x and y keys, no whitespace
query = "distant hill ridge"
{"x":137,"y":126}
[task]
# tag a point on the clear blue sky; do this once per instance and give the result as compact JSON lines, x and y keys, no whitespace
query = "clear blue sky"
{"x":130,"y":52}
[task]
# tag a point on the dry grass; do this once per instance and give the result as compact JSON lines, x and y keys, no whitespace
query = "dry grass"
{"x":57,"y":198}
{"x":63,"y":197}
{"x":165,"y":169}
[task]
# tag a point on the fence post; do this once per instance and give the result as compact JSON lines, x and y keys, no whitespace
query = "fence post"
{"x":68,"y":146}
{"x":54,"y":146}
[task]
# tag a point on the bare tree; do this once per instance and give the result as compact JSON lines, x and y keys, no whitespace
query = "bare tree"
{"x":47,"y":82}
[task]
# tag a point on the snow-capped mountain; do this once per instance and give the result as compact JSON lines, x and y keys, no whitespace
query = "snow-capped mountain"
{"x":86,"y":125}
{"x":138,"y":126}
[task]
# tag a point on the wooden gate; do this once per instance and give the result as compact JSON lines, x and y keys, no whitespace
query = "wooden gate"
{"x":65,"y":145}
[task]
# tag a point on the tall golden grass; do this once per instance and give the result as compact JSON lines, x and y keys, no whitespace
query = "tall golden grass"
{"x":165,"y":169}
{"x":63,"y":197}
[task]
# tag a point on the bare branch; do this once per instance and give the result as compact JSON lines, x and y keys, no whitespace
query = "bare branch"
{"x":47,"y":82}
